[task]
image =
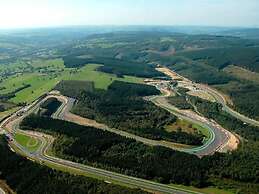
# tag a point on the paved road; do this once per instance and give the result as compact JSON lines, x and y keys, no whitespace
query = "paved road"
{"x":41,"y":156}
{"x":107,"y":175}
{"x":217,"y":139}
{"x":220,"y":99}
{"x":218,"y":136}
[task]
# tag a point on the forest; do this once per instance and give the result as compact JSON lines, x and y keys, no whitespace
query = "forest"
{"x":214,"y":111}
{"x":237,"y":170}
{"x":238,"y":89}
{"x":27,"y":177}
{"x":245,"y":96}
{"x":246,"y":57}
{"x":201,"y":58}
{"x":114,"y":66}
{"x":113,"y":152}
{"x":122,"y":106}
{"x":48,"y":107}
{"x":242,"y":164}
{"x":74,"y":88}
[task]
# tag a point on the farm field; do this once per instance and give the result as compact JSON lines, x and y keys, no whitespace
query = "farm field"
{"x":41,"y":83}
{"x":100,"y":79}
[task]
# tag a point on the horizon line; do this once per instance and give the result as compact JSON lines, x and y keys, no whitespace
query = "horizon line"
{"x":124,"y":25}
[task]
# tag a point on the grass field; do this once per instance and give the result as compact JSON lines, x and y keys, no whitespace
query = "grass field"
{"x":39,"y":85}
{"x":30,"y":143}
{"x":203,"y":130}
{"x":187,"y":127}
{"x":101,"y":80}
{"x":48,"y":73}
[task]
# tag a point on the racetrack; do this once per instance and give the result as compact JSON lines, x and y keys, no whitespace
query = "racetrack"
{"x":218,"y":136}
{"x":11,"y":125}
{"x":213,"y":92}
{"x":224,"y":139}
{"x":221,"y":99}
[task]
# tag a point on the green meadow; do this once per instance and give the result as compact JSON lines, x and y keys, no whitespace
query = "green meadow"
{"x":46,"y":74}
{"x":28,"y":142}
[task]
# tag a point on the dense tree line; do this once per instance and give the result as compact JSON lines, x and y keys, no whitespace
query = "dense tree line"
{"x":4,"y":105}
{"x":73,"y":88}
{"x":10,"y":95}
{"x":123,"y":107}
{"x":240,"y":165}
{"x":246,"y":98}
{"x":237,"y":170}
{"x":114,"y":66}
{"x":2,"y":88}
{"x":180,"y":102}
{"x":114,"y":152}
{"x":2,"y":108}
{"x":201,"y":73}
{"x":27,"y":177}
{"x":50,"y":106}
{"x":214,"y":111}
{"x":246,"y":57}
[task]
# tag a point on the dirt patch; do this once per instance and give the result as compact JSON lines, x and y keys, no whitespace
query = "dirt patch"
{"x":92,"y":123}
{"x":231,"y":145}
{"x":83,"y":121}
{"x":183,"y":126}
{"x":170,"y":73}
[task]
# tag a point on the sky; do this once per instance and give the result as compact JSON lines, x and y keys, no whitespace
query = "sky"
{"x":43,"y":13}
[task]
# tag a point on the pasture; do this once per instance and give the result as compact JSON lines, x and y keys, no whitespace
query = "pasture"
{"x":46,"y":74}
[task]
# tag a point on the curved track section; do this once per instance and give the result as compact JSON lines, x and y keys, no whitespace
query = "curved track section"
{"x":221,"y":99}
{"x":218,"y":139}
{"x":213,"y":92}
{"x":11,"y":125}
{"x":218,"y":136}
{"x":43,"y":157}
